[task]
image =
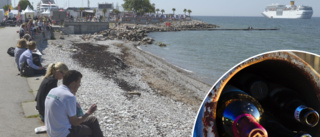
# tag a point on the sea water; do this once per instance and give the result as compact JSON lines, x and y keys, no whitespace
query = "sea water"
{"x":210,"y":54}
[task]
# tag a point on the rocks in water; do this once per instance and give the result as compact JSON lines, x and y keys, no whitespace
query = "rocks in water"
{"x":161,"y":44}
{"x":138,"y":33}
{"x":147,"y":40}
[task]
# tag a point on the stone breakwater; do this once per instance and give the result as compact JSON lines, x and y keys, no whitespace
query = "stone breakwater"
{"x":137,"y":94}
{"x":138,"y":33}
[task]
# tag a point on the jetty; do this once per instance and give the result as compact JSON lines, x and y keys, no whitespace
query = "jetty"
{"x":230,"y":29}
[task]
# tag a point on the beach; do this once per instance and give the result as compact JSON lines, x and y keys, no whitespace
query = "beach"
{"x":137,"y":94}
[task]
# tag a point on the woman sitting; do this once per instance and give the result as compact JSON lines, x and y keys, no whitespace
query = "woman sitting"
{"x":54,"y":73}
{"x":21,"y":47}
{"x":26,"y":62}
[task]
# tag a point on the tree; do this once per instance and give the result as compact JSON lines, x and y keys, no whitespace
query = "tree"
{"x":173,"y":9}
{"x":189,"y":11}
{"x":157,"y":10}
{"x":24,"y":4}
{"x":162,"y":11}
{"x":5,"y":7}
{"x":185,"y":11}
{"x":115,"y":11}
{"x":81,"y":9}
{"x":138,"y":6}
{"x":104,"y":12}
{"x":153,"y":7}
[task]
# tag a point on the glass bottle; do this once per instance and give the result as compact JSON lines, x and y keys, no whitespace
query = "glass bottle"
{"x":238,"y":114}
{"x":291,"y":105}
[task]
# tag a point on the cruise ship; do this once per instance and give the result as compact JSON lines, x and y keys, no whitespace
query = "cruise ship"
{"x":44,"y":5}
{"x":288,"y":11}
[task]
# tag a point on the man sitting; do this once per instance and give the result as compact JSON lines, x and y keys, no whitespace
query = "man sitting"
{"x":61,"y":111}
{"x":26,"y":61}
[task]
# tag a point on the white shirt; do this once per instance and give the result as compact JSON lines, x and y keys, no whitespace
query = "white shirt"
{"x":60,"y":104}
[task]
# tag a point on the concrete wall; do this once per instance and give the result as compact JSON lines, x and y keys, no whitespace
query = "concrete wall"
{"x":84,"y":27}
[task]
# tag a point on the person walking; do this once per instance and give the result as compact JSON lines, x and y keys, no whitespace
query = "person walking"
{"x":61,"y":117}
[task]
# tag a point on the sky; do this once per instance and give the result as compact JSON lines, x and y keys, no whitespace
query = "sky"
{"x":201,"y":7}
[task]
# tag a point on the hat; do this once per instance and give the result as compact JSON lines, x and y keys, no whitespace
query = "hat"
{"x":22,"y":43}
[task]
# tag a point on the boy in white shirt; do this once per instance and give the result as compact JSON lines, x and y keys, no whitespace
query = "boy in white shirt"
{"x":61,"y":117}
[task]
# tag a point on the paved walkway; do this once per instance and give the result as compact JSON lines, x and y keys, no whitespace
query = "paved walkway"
{"x":14,"y":90}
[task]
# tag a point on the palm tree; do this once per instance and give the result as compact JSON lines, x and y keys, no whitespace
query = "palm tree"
{"x":189,"y":11}
{"x":153,"y":7}
{"x":157,"y":11}
{"x":162,"y":11}
{"x":185,"y":11}
{"x":104,"y":12}
{"x":173,"y":9}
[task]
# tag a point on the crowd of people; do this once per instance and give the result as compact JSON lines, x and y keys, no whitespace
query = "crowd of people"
{"x":35,"y":26}
{"x":57,"y":105}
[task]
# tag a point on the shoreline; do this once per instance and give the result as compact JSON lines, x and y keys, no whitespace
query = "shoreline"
{"x":187,"y":72}
{"x":138,"y":34}
{"x":148,"y":97}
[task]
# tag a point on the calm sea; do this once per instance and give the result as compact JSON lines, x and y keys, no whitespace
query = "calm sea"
{"x":209,"y":54}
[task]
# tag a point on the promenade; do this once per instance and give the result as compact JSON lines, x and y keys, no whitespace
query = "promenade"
{"x":155,"y":111}
{"x":15,"y":90}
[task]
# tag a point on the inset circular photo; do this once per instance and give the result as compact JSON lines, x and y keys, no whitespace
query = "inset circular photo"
{"x":273,"y":94}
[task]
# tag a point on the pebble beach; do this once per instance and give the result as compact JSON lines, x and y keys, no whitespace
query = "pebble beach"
{"x":137,"y":94}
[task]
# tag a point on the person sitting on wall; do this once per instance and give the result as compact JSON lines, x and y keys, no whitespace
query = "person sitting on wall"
{"x":55,"y":72}
{"x":22,"y":30}
{"x":26,"y":62}
{"x":30,"y":26}
{"x":27,"y":37}
{"x":21,"y":47}
{"x":61,"y":111}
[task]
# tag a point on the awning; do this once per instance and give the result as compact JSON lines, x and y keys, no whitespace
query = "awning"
{"x":88,"y":11}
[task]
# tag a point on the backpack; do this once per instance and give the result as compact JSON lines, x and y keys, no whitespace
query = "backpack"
{"x":36,"y":59}
{"x":10,"y":51}
{"x":26,"y":70}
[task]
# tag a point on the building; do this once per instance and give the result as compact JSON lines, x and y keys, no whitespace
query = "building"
{"x":75,"y":11}
{"x":107,"y":6}
{"x":5,"y":2}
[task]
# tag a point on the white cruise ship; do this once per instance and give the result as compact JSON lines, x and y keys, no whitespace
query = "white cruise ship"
{"x":44,"y":5}
{"x":288,"y":11}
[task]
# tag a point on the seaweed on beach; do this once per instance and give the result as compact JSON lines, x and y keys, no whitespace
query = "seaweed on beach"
{"x":99,"y":59}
